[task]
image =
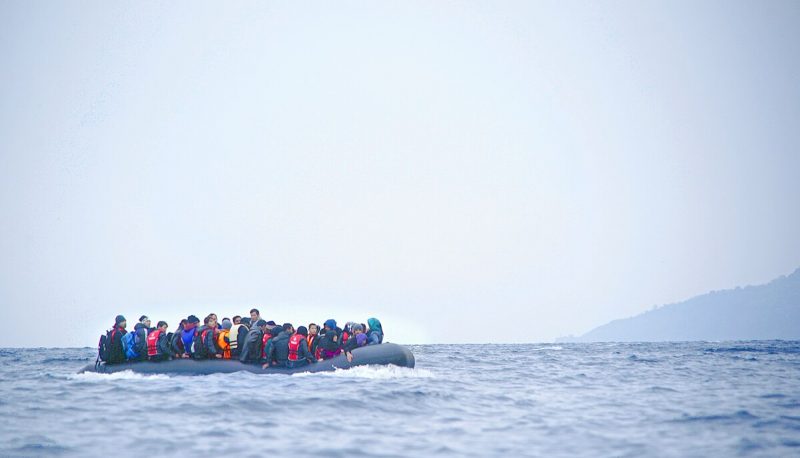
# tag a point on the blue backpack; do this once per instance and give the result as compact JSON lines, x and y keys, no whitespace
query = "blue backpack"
{"x":129,"y":345}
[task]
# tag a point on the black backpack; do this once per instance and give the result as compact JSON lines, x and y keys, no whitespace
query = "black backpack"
{"x":104,"y":346}
{"x":199,"y":344}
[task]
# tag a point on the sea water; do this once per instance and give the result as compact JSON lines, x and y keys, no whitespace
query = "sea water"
{"x":606,"y":399}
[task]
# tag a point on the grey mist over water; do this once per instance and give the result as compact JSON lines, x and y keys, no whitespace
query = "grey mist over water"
{"x":446,"y":167}
{"x":577,"y":400}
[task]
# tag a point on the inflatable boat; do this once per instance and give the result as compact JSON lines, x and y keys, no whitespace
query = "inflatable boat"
{"x":383,"y":354}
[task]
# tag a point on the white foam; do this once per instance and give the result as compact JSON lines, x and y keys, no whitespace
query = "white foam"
{"x":124,"y":375}
{"x":372,"y":372}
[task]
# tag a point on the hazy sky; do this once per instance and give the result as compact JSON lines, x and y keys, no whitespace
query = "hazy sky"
{"x":465,"y":171}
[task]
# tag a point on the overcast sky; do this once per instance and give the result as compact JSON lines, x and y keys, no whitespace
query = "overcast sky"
{"x":464,"y":171}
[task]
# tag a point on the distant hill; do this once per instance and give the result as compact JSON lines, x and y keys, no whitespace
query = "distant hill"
{"x":770,"y":311}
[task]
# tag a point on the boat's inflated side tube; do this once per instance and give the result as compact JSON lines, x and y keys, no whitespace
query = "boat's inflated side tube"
{"x":386,"y":353}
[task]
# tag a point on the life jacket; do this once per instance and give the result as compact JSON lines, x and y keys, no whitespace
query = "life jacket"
{"x":223,"y":344}
{"x":294,"y":346}
{"x":310,"y":339}
{"x":233,"y":336}
{"x":152,"y":343}
{"x":345,"y":336}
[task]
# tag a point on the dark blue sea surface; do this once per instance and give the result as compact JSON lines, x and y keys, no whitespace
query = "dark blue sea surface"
{"x":646,"y":399}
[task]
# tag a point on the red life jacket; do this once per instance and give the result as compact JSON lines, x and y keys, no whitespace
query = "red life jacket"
{"x":152,"y":342}
{"x":294,"y":345}
{"x":345,"y":336}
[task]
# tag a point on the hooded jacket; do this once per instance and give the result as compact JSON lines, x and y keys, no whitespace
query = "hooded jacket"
{"x":278,"y":348}
{"x":141,"y":339}
{"x":251,"y":347}
{"x":375,"y":334}
{"x":327,"y":341}
{"x":116,"y":354}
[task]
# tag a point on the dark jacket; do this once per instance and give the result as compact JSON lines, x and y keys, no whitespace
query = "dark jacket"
{"x":116,"y":354}
{"x":211,"y":343}
{"x":278,"y":349}
{"x":141,"y":340}
{"x":304,"y":353}
{"x":176,"y":343}
{"x":251,"y":347}
{"x":353,"y":342}
{"x":331,"y":340}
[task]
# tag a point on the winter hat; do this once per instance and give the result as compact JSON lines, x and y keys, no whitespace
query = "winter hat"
{"x":302,"y":331}
{"x":357,"y":327}
{"x":119,"y":319}
{"x":226,"y":324}
{"x":331,"y":323}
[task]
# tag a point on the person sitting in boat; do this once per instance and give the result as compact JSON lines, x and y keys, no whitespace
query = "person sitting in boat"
{"x":237,"y":319}
{"x":158,"y":343}
{"x":312,"y":340}
{"x":139,"y":340}
{"x":358,"y":339}
{"x":206,"y":340}
{"x":116,"y":354}
{"x":277,"y":349}
{"x":176,"y":342}
{"x":188,"y":333}
{"x":330,"y":340}
{"x":375,"y":333}
{"x":251,"y":348}
{"x":299,"y":354}
{"x":223,"y":339}
{"x":237,"y":336}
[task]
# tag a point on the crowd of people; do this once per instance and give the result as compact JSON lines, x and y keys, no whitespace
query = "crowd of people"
{"x":250,"y":339}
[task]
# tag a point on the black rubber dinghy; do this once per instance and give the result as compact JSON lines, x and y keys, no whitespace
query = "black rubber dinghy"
{"x":382,"y":354}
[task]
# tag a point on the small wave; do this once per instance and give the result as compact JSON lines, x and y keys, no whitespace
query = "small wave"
{"x":554,"y":347}
{"x":372,"y":372}
{"x":124,"y":375}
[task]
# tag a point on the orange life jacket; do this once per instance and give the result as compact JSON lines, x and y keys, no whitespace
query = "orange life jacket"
{"x":223,"y":345}
{"x":294,"y":346}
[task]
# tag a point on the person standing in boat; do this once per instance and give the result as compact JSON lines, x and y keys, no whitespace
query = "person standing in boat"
{"x":255,"y":315}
